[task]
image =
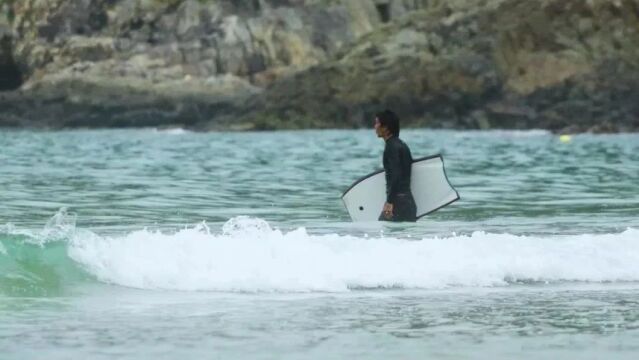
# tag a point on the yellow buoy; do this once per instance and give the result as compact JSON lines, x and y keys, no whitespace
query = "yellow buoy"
{"x":565,"y":138}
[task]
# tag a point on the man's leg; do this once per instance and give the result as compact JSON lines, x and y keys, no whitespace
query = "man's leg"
{"x":405,"y":208}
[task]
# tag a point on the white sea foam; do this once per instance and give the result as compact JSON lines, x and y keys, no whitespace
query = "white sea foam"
{"x":170,"y":131}
{"x":248,"y":255}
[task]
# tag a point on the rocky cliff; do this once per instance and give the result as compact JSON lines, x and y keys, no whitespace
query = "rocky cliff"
{"x":565,"y":65}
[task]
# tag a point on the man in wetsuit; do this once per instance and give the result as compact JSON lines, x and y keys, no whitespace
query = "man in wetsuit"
{"x":400,"y":205}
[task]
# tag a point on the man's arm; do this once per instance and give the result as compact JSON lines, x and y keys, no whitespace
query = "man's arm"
{"x":394,"y":173}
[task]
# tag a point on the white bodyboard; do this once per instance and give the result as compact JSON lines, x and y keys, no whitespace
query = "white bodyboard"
{"x":431,"y":190}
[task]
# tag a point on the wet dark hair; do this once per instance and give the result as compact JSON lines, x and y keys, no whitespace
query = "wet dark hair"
{"x":389,"y":120}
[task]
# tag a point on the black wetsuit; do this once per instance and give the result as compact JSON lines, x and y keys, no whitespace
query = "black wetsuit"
{"x":398,"y":162}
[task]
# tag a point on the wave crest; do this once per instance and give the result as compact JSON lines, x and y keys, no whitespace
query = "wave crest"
{"x":248,"y":255}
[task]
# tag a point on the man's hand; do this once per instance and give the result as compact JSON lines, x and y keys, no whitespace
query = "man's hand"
{"x":388,"y":210}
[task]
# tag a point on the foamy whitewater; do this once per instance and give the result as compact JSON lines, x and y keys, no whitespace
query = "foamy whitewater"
{"x":248,"y":255}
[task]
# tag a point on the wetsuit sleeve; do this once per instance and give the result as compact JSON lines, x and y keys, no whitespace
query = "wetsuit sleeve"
{"x":393,"y":173}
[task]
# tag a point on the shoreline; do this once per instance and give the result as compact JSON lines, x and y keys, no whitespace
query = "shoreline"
{"x":179,"y":128}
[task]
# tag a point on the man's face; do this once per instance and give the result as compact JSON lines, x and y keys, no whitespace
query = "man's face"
{"x":379,"y":129}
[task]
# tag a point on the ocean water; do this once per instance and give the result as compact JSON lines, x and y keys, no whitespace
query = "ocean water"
{"x":150,"y":244}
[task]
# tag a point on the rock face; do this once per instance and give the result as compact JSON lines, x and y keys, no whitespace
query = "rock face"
{"x":164,"y":62}
{"x":265,"y":64}
{"x":568,"y":65}
{"x":10,"y":77}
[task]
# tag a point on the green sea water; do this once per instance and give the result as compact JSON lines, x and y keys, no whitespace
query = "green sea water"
{"x":148,"y":244}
